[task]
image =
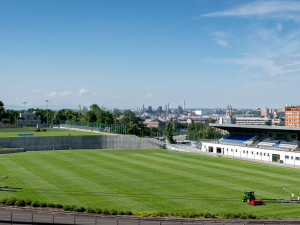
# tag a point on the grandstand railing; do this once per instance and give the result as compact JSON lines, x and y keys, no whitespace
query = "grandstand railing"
{"x":100,"y":127}
{"x":253,"y":146}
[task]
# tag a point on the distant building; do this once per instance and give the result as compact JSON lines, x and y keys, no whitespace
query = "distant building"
{"x":264,"y":112}
{"x":159,"y":109}
{"x":198,"y":112}
{"x":228,"y":119}
{"x":29,"y":119}
{"x":229,"y":111}
{"x":155,"y":123}
{"x":292,"y":116}
{"x":149,"y":109}
{"x":253,"y":121}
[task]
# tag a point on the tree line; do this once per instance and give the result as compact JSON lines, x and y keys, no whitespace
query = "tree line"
{"x":194,"y":131}
{"x":134,"y":124}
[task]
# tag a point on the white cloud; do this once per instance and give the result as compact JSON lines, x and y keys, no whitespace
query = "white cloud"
{"x":274,"y":9}
{"x":52,"y":94}
{"x":221,"y":38}
{"x":64,"y":93}
{"x":83,"y":91}
{"x":118,"y":97}
{"x":35,"y":91}
{"x":149,"y":95}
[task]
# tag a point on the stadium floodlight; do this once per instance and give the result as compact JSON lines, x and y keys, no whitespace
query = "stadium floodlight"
{"x":47,"y":111}
{"x":24,"y":105}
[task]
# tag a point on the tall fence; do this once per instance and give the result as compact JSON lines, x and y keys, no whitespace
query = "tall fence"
{"x":101,"y":127}
{"x":27,"y":217}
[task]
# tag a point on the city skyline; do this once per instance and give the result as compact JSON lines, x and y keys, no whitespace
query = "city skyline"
{"x":125,"y":54}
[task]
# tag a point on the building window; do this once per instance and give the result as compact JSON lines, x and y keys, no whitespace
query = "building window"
{"x":297,"y":158}
{"x":260,"y":153}
{"x":292,"y":157}
{"x":264,"y":154}
{"x":268,"y":154}
{"x":252,"y":153}
{"x":256,"y":153}
{"x":287,"y":157}
{"x":235,"y":150}
{"x":247,"y":152}
{"x":243,"y":151}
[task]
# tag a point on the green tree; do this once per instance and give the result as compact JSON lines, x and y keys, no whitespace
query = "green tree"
{"x":90,"y":116}
{"x":104,"y":116}
{"x":2,"y":111}
{"x":12,"y":115}
{"x":95,"y":107}
{"x":169,"y":132}
{"x":134,"y":125}
{"x":198,"y":131}
{"x":116,"y":115}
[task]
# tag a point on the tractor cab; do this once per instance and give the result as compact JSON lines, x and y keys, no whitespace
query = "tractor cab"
{"x":248,"y":196}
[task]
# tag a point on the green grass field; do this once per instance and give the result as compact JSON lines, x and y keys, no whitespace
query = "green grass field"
{"x":148,"y":180}
{"x":13,"y":132}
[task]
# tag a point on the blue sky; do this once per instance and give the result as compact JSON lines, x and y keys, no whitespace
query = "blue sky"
{"x":125,"y":54}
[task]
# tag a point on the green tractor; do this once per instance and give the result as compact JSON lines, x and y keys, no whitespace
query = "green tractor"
{"x":248,"y":196}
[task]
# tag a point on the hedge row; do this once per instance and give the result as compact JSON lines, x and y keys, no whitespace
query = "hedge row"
{"x":20,"y":202}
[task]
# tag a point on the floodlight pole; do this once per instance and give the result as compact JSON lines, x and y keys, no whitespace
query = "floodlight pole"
{"x":47,"y":110}
{"x":25,"y":115}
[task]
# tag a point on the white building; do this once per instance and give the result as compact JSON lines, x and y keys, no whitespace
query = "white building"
{"x":263,"y":143}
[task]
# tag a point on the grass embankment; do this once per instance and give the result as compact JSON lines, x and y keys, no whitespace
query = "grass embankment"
{"x":13,"y":132}
{"x":149,"y":181}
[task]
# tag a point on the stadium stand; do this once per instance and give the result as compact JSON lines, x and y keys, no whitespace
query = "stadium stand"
{"x":238,"y":138}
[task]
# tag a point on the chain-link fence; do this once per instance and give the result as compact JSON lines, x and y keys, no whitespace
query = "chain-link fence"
{"x":23,"y":217}
{"x":100,"y":127}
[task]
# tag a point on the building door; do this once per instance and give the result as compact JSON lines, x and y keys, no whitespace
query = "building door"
{"x":275,"y":157}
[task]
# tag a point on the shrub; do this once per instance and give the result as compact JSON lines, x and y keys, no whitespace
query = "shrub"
{"x":3,"y":201}
{"x":20,"y":203}
{"x":106,"y":211}
{"x":113,"y":212}
{"x":67,"y":208}
{"x":121,"y":212}
{"x":90,"y":210}
{"x":28,"y":202}
{"x":80,"y":209}
{"x":35,"y":204}
{"x":128,"y":213}
{"x":59,"y":206}
{"x":43,"y":204}
{"x":251,"y":216}
{"x":98,"y":211}
{"x":50,"y":205}
{"x":11,"y":201}
{"x":207,"y":215}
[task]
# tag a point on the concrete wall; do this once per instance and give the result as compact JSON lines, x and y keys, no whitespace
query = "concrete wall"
{"x":81,"y":142}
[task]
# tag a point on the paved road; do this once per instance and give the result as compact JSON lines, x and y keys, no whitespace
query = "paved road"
{"x":37,"y":216}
